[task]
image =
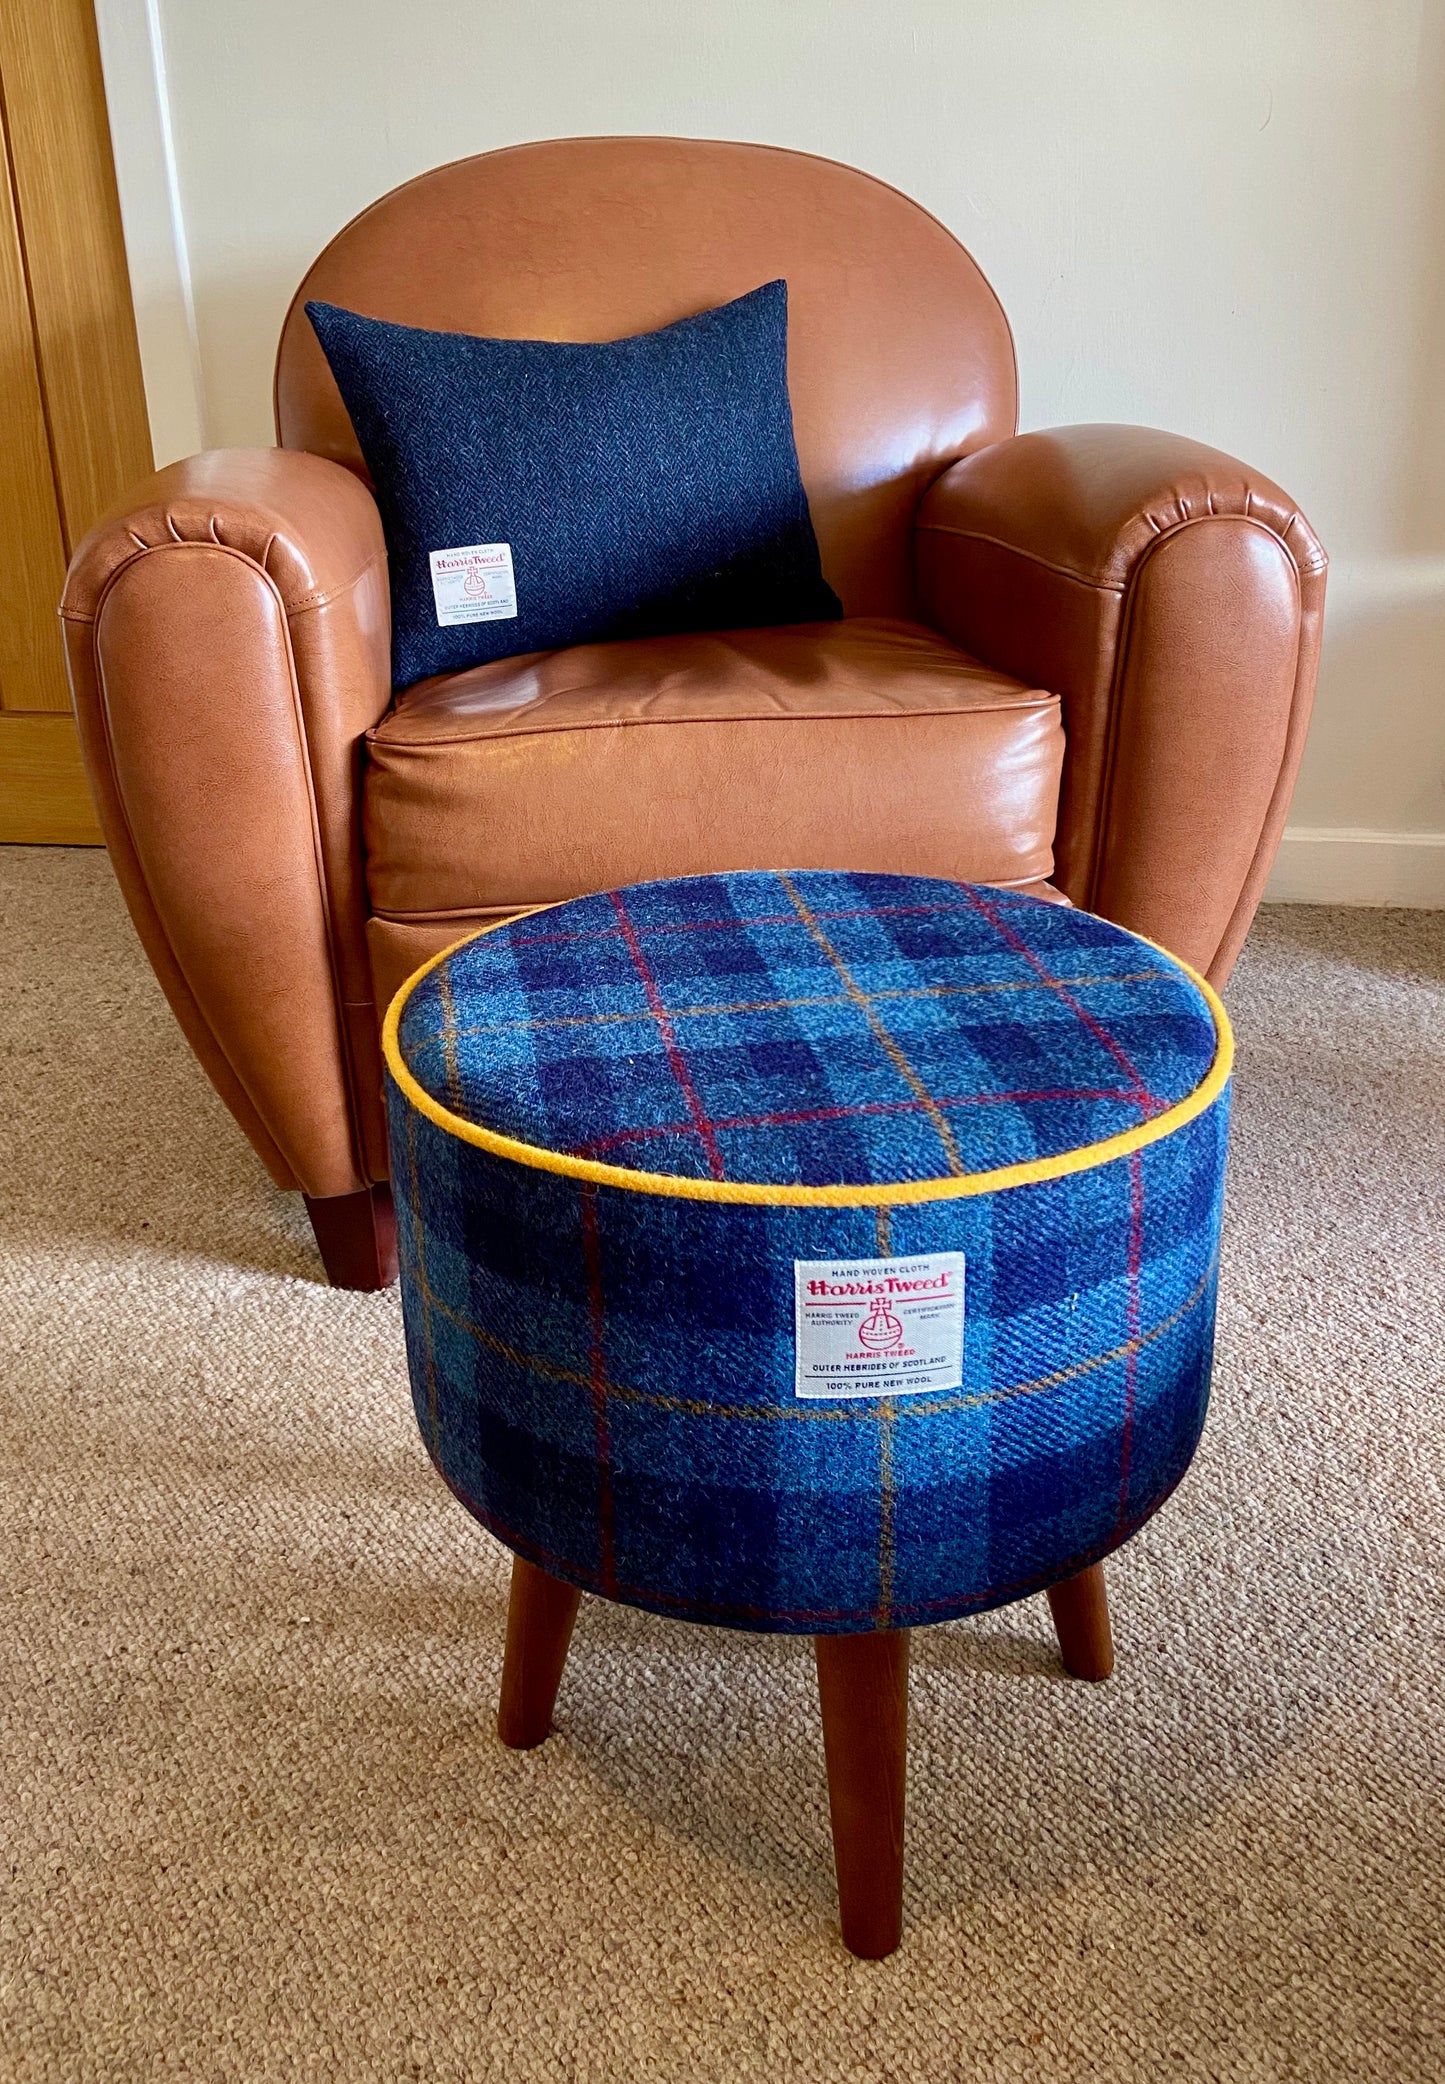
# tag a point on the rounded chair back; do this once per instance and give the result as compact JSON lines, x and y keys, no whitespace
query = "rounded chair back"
{"x":900,"y":358}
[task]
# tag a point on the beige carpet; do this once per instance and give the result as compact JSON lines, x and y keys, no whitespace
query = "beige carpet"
{"x":254,"y":1819}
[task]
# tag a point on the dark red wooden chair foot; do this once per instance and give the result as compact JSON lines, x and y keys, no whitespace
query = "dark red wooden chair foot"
{"x":539,"y":1628}
{"x":1081,"y":1621}
{"x":356,"y":1236}
{"x":863,"y":1693}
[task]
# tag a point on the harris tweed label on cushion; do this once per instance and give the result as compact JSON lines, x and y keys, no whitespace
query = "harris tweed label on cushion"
{"x":618,"y":1125}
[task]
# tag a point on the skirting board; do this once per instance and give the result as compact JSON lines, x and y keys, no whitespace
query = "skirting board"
{"x":1349,"y":865}
{"x":44,"y":796}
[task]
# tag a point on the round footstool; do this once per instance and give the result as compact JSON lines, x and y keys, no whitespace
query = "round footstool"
{"x":821,"y":1253}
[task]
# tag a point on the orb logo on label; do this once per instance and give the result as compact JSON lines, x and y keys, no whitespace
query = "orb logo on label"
{"x":880,"y":1328}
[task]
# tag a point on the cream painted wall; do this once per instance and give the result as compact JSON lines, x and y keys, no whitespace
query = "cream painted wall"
{"x":1226,"y":218}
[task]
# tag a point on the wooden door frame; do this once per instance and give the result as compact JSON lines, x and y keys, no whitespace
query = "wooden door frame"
{"x":62,"y":175}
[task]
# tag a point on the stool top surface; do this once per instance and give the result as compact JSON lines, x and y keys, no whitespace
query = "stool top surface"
{"x":802,"y":1030}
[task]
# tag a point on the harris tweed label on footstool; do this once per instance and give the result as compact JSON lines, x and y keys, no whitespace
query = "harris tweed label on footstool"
{"x":878,"y":1327}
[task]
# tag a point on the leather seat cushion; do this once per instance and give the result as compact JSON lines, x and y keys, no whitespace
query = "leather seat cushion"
{"x":867,"y":745}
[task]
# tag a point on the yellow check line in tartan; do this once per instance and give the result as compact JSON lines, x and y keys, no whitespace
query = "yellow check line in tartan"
{"x":769,"y":1194}
{"x":829,"y":998}
{"x":449,"y":1041}
{"x":890,"y":1046}
{"x":804,"y":1412}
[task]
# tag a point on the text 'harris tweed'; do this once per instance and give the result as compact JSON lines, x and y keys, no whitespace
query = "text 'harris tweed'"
{"x":618,"y":1125}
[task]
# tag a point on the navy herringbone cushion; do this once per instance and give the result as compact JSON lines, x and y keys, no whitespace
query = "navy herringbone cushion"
{"x":640,"y":486}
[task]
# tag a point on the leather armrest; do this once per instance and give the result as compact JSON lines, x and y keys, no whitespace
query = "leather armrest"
{"x":228,"y":641}
{"x":1173,"y":598}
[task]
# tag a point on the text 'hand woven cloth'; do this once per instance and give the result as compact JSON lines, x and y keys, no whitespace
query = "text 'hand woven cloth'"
{"x":809,"y":1252}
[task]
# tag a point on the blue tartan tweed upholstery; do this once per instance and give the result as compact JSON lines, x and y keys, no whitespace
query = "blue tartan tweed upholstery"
{"x":617,"y":1124}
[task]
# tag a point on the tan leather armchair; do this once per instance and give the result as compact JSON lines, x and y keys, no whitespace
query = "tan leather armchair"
{"x":1085,"y":655}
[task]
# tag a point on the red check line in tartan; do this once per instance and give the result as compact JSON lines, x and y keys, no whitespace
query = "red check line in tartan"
{"x":597,"y":1369}
{"x":793,"y":1117}
{"x":1143,"y":1098}
{"x":1132,"y":1319}
{"x":675,"y":1056}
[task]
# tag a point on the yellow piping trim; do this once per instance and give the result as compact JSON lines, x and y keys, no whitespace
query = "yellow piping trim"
{"x":891,"y":1194}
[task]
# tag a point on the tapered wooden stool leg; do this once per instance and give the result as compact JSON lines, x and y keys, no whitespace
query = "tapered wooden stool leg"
{"x":1081,"y":1622}
{"x":539,"y":1628}
{"x":863,"y":1692}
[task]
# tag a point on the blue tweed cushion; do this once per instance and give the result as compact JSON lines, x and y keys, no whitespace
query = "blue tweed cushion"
{"x":539,"y":493}
{"x":809,"y":1252}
